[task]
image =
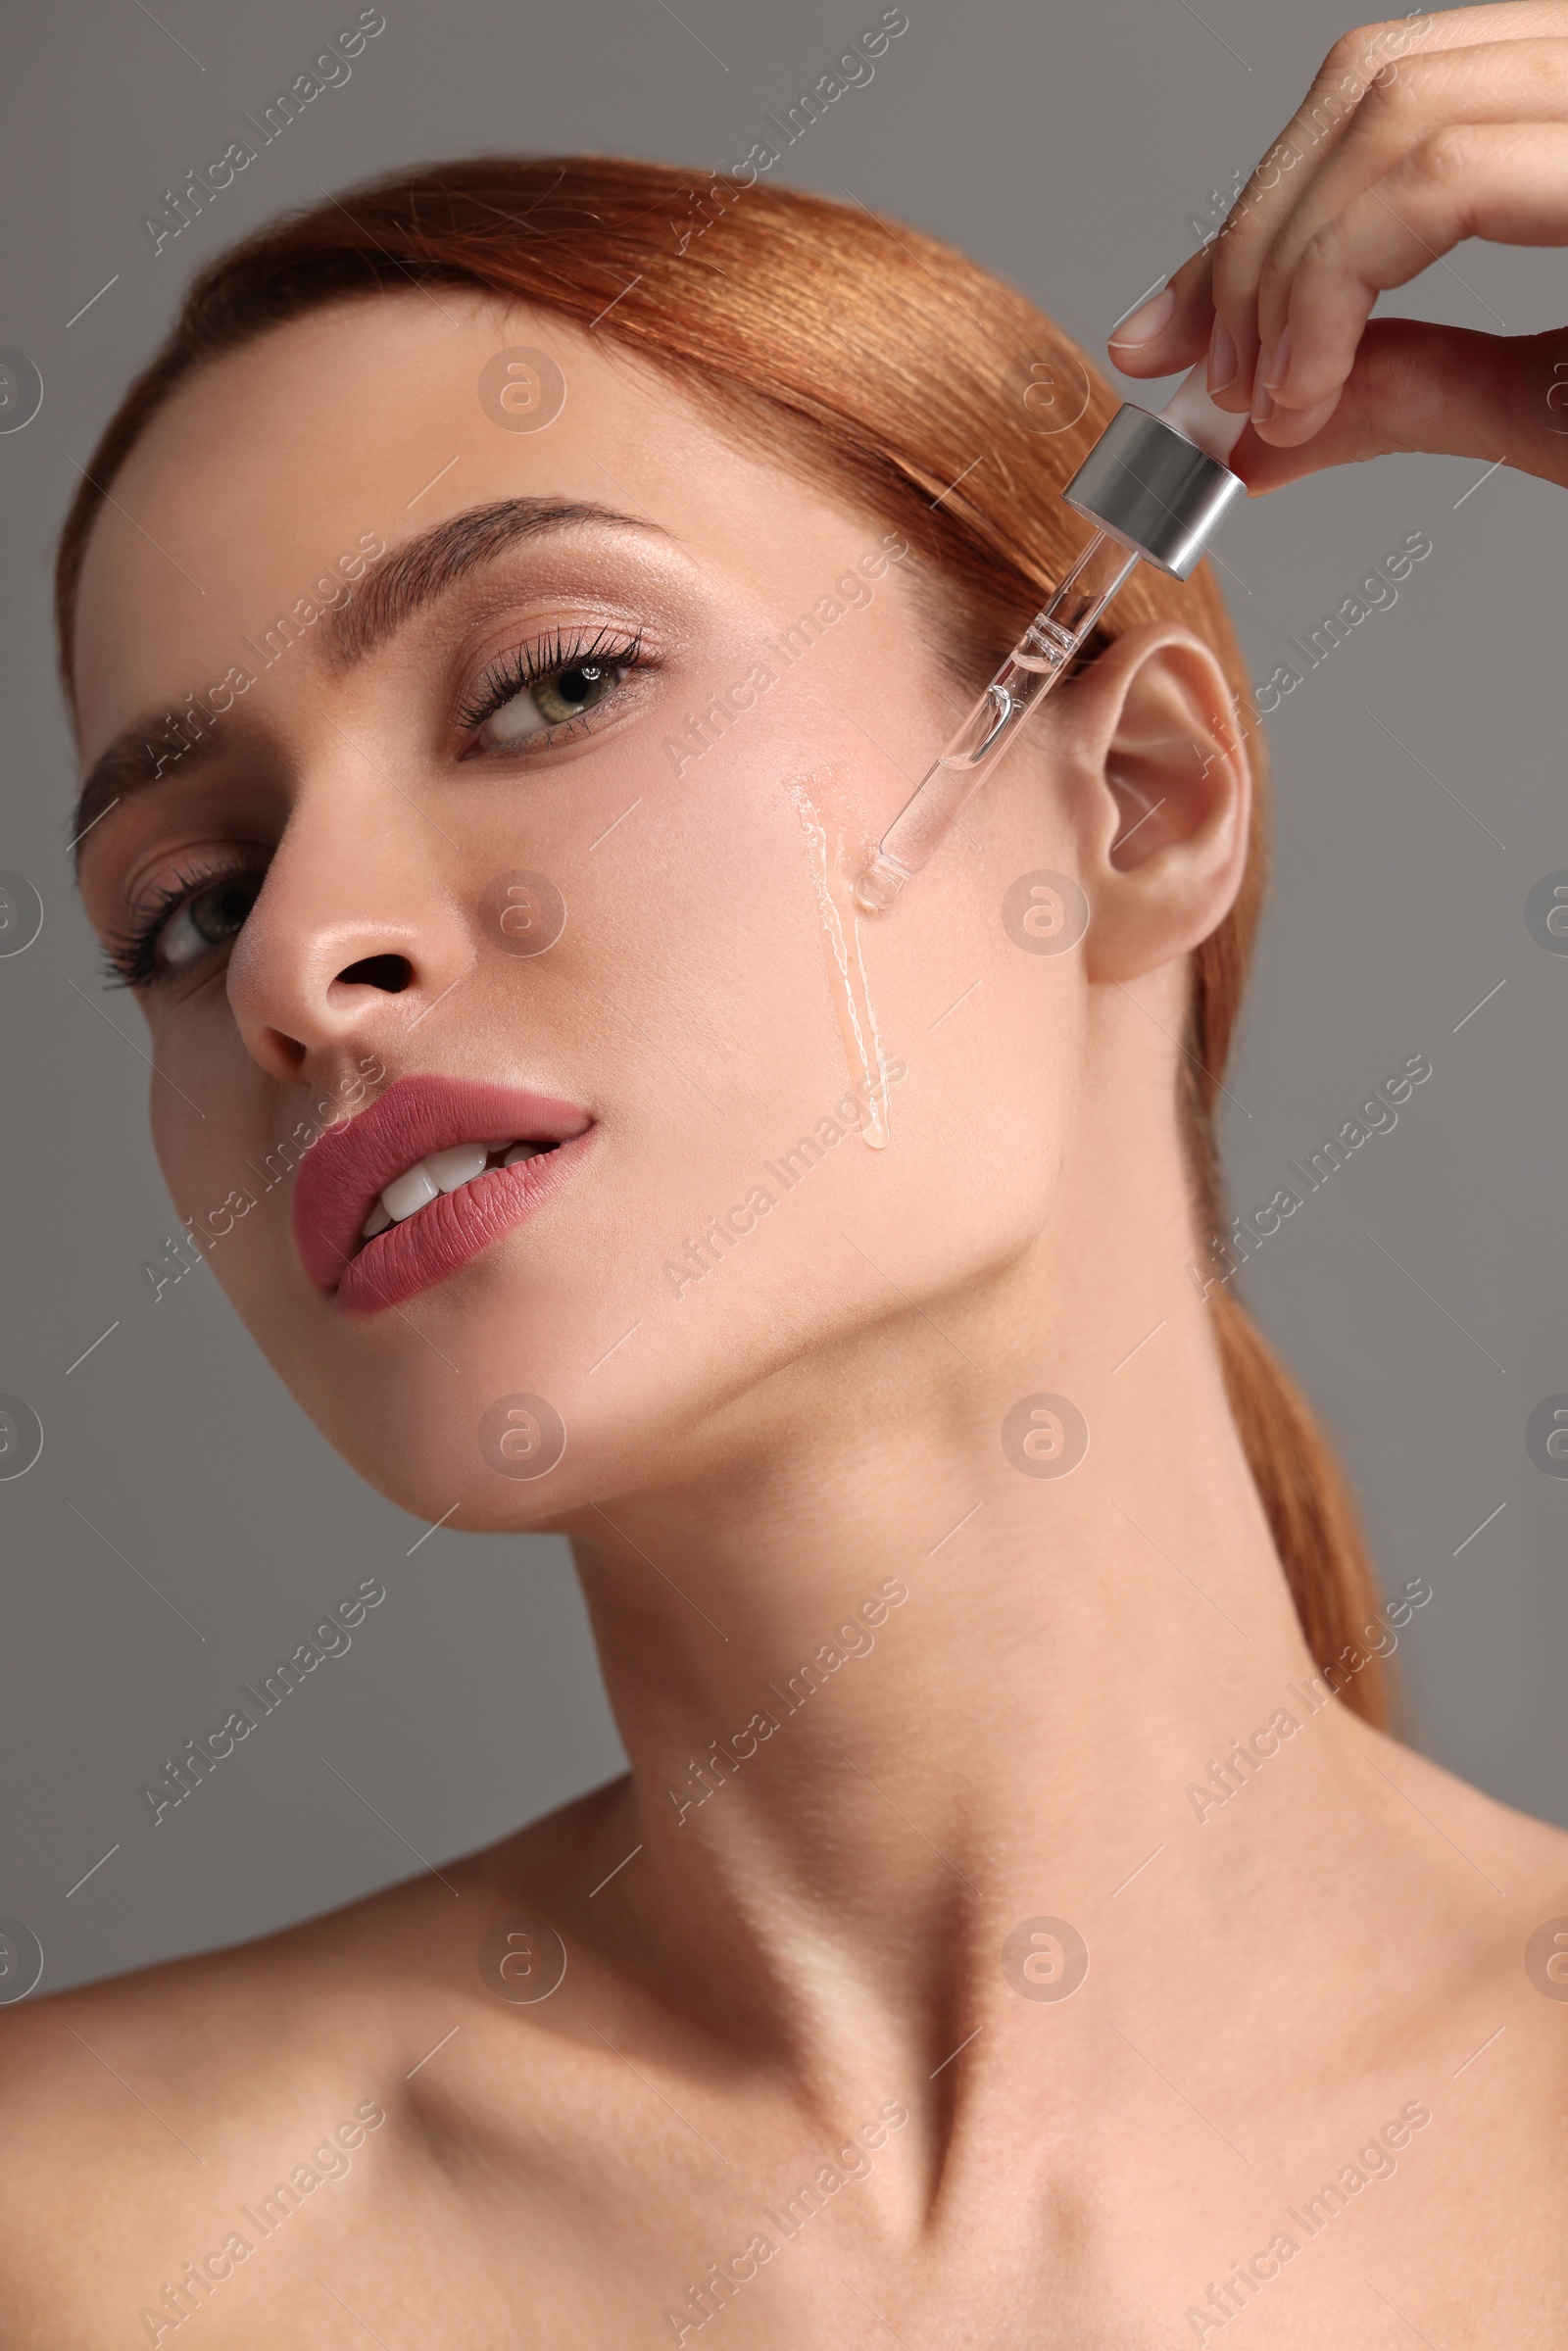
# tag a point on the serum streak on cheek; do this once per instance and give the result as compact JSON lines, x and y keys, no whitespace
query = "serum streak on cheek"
{"x":840,"y":918}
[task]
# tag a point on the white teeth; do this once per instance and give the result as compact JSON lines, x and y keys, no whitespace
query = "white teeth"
{"x":414,"y":1189}
{"x":461,"y":1165}
{"x":441,"y":1171}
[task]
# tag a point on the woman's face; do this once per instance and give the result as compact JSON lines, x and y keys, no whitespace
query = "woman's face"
{"x":503,"y":836}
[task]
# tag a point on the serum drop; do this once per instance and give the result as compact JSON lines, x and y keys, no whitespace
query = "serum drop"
{"x":834,"y":861}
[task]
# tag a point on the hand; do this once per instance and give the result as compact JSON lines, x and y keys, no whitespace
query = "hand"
{"x":1414,"y":135}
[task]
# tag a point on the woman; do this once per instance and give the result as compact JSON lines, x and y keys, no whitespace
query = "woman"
{"x":496,"y":626}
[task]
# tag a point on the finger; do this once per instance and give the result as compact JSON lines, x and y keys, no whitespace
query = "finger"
{"x":1356,"y":63}
{"x":1373,"y":55}
{"x":1506,"y":183}
{"x":1462,"y":28}
{"x":1512,"y":81}
{"x":1226,"y":274}
{"x":1442,"y":390}
{"x":1173,"y":331}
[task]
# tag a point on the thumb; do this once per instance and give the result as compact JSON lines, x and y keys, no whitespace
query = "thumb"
{"x":1442,"y":389}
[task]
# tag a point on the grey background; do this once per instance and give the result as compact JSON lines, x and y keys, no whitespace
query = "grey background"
{"x":186,"y":1525}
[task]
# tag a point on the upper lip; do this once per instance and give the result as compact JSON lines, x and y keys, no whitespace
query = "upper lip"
{"x":344,"y":1173}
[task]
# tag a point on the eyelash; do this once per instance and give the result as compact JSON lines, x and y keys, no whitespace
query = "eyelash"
{"x":530,"y":666}
{"x":131,"y":955}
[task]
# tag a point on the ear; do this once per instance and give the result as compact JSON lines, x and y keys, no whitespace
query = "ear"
{"x":1160,"y":791}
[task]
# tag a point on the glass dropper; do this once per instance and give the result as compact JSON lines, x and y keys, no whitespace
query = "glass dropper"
{"x":1157,"y":487}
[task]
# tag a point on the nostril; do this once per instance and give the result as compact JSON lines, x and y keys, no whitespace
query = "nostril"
{"x":390,"y":973}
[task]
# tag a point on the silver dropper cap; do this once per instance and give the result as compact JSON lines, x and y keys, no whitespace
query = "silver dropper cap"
{"x":1155,"y":490}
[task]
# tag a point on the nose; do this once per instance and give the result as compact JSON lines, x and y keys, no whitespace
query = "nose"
{"x":352,"y":939}
{"x":390,"y":973}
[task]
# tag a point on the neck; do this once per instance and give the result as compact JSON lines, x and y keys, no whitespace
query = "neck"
{"x":886,"y":1691}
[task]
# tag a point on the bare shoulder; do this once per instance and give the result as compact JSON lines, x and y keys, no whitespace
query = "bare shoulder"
{"x":1523,"y":1859}
{"x":1492,"y":1911}
{"x":222,"y":2121}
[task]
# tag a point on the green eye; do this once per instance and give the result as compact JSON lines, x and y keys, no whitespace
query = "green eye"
{"x":571,"y":691}
{"x":541,"y":688}
{"x":553,"y":698}
{"x":210,"y":918}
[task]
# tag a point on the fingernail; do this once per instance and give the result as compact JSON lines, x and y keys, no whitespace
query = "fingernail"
{"x":1148,"y":317}
{"x":1262,"y":397}
{"x":1277,"y":365}
{"x":1222,"y":356}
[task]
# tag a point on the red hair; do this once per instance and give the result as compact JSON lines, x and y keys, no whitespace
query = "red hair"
{"x":886,"y":365}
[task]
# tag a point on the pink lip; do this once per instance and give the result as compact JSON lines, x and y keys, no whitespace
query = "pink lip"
{"x":348,"y":1168}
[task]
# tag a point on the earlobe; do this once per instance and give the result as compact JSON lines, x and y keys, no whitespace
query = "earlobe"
{"x":1163,"y":798}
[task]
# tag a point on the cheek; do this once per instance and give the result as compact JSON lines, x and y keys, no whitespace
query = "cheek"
{"x":207,"y":1099}
{"x":767,"y":1001}
{"x":692,"y":1004}
{"x":217,"y":1124}
{"x":981,"y":1123}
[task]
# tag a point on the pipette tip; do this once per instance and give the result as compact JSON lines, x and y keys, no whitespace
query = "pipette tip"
{"x":876,"y":888}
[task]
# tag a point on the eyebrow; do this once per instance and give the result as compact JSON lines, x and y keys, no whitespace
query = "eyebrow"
{"x":407,"y":578}
{"x":403,"y":581}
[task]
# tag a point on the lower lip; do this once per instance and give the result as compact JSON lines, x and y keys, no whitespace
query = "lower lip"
{"x":439,"y":1237}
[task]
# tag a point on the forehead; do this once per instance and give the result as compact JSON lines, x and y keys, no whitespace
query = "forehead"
{"x":371,"y":421}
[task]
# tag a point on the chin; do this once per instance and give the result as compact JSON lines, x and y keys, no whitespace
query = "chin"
{"x":474,"y":1404}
